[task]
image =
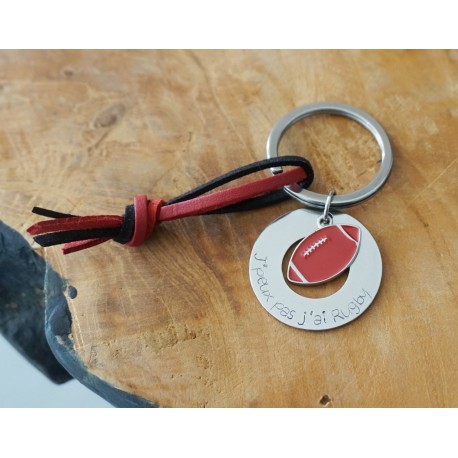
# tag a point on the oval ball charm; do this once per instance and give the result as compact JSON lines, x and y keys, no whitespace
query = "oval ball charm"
{"x":324,"y":254}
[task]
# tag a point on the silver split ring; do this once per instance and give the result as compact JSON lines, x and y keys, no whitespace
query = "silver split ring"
{"x":313,"y":199}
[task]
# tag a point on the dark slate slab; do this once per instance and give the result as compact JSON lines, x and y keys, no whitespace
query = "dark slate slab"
{"x":22,"y":303}
{"x":58,"y":324}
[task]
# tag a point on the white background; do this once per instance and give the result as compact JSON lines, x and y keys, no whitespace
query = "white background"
{"x":22,"y":385}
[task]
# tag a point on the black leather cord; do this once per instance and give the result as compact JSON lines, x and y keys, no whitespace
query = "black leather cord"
{"x":257,"y":202}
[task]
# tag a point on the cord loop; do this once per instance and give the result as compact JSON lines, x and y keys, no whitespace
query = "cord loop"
{"x":141,"y":217}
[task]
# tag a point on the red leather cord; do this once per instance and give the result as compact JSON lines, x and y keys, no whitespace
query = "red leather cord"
{"x":142,"y":222}
{"x":72,"y":247}
{"x":154,"y":208}
{"x":76,"y":223}
{"x":150,"y":213}
{"x":147,"y":216}
{"x":219,"y":199}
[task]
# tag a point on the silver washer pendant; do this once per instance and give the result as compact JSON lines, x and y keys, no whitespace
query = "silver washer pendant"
{"x":321,"y":255}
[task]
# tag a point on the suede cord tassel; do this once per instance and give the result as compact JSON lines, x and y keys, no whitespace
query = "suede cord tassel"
{"x":140,"y":218}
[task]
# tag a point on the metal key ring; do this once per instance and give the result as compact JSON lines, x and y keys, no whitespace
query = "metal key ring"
{"x":313,"y":199}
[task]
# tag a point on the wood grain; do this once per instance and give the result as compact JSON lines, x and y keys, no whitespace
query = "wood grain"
{"x":175,"y":321}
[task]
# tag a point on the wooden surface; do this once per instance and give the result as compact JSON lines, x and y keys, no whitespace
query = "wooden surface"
{"x":175,"y":321}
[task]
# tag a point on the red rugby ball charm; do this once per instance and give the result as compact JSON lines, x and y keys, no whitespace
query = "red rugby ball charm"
{"x":324,"y":254}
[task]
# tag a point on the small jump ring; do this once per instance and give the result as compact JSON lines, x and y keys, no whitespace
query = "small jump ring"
{"x":314,"y":199}
{"x":325,"y":218}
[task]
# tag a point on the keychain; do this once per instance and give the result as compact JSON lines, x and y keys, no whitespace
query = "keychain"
{"x":329,"y":241}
